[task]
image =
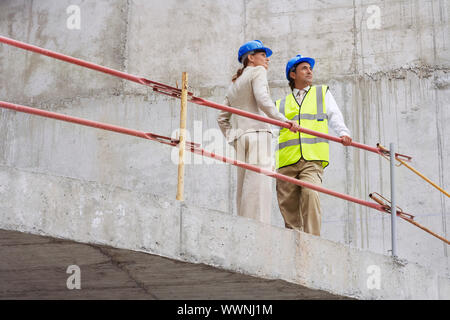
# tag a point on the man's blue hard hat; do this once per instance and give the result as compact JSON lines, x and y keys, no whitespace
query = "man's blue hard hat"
{"x":290,"y":66}
{"x":252,"y":46}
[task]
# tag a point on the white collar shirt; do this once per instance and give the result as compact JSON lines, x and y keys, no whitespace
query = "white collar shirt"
{"x":335,"y":118}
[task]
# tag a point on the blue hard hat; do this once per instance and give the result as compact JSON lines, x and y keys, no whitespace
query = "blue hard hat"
{"x":295,"y":61}
{"x":252,"y":46}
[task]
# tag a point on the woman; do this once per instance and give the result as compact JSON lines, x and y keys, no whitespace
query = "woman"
{"x":251,"y":139}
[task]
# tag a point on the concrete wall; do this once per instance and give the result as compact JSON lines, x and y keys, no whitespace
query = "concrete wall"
{"x":98,"y":213}
{"x":389,"y":77}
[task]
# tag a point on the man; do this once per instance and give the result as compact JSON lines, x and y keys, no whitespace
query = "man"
{"x":304,"y":156}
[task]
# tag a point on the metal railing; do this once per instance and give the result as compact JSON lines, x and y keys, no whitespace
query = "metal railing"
{"x":185,"y":96}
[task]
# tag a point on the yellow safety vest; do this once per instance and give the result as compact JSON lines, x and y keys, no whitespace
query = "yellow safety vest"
{"x":312,"y":114}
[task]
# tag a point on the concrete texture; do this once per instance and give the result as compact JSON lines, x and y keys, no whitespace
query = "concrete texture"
{"x":98,"y":214}
{"x":390,"y":80}
{"x":35,"y":267}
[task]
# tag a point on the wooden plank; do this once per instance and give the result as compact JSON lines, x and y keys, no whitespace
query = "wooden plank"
{"x":181,"y":145}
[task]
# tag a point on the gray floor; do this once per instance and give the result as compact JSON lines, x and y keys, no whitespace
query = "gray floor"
{"x":34,"y":267}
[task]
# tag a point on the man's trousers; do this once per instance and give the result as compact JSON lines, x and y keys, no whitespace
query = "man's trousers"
{"x":300,"y":206}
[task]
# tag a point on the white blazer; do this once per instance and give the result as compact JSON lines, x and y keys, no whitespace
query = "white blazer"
{"x":250,"y":92}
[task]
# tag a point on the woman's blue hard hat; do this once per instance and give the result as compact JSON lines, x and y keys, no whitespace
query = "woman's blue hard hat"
{"x":252,"y":46}
{"x":290,"y":66}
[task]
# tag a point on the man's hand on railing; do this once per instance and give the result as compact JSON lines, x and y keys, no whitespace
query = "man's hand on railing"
{"x":346,"y":140}
{"x":295,"y":127}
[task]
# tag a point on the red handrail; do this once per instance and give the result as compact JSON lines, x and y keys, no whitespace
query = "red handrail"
{"x":174,"y":92}
{"x":192,"y":147}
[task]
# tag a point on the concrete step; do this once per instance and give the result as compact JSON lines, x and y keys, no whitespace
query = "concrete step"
{"x":35,"y":267}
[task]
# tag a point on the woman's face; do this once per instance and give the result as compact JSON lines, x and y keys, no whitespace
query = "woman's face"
{"x":259,"y":59}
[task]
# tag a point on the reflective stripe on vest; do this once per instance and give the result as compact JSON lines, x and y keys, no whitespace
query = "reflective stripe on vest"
{"x":294,"y":142}
{"x":311,"y":113}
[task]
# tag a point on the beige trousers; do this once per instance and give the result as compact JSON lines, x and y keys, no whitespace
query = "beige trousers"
{"x":299,"y":206}
{"x":254,"y":190}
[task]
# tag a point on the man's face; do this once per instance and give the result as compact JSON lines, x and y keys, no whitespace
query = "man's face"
{"x":303,"y":75}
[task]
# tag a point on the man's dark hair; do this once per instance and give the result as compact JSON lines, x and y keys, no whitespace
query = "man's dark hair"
{"x":292,"y":81}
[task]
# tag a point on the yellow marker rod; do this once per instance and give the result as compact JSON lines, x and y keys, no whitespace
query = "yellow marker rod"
{"x":182,"y":143}
{"x":403,"y":215}
{"x":427,"y":230}
{"x":423,"y":177}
